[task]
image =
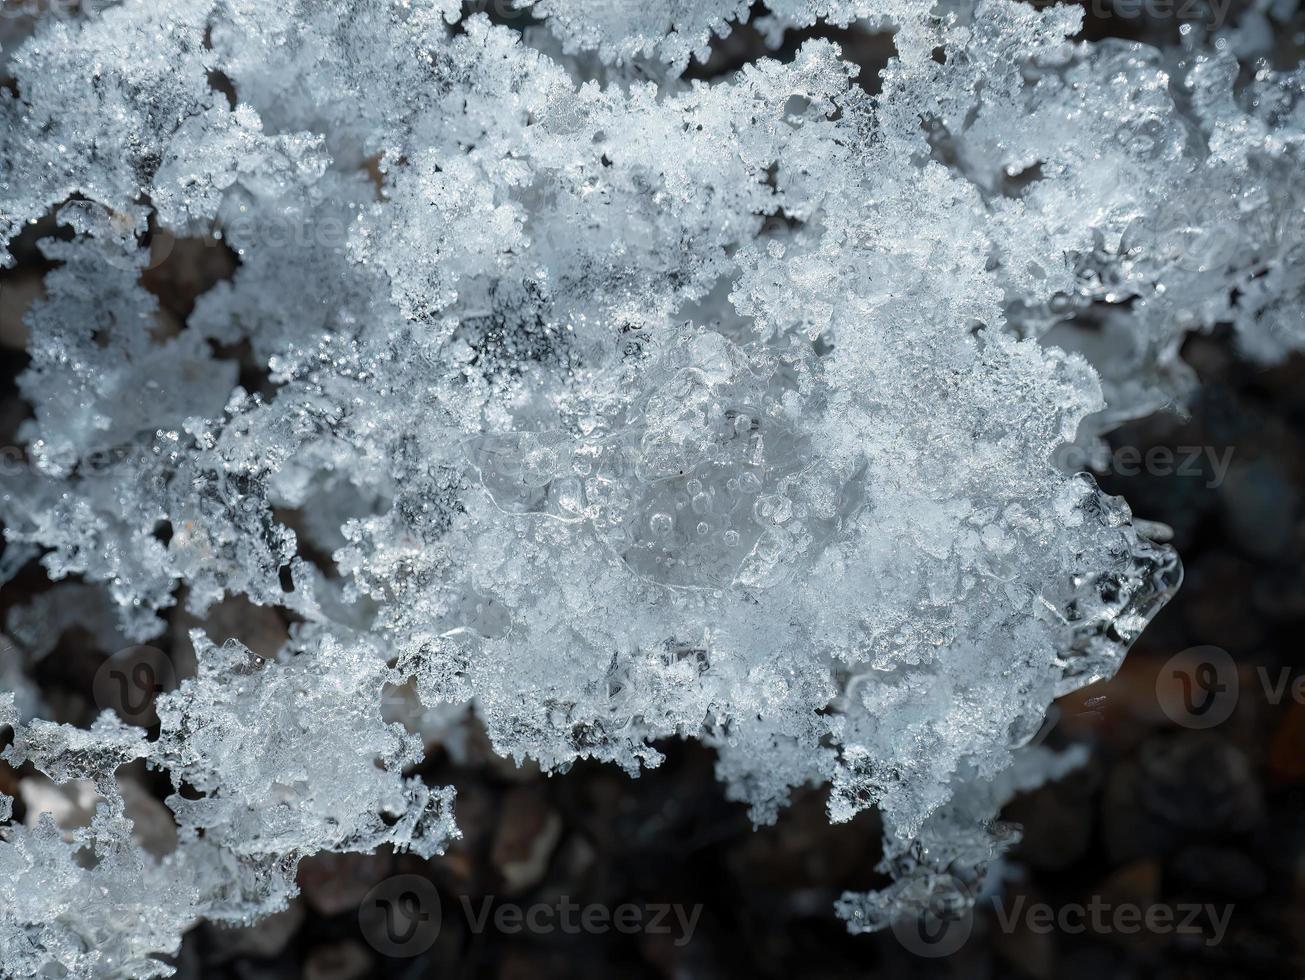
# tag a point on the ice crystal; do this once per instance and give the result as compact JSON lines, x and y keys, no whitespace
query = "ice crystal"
{"x":624,"y":409}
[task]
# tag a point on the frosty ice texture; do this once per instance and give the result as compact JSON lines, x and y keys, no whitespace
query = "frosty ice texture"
{"x":624,"y":409}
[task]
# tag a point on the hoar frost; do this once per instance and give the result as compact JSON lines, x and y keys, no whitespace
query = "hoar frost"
{"x":623,"y":407}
